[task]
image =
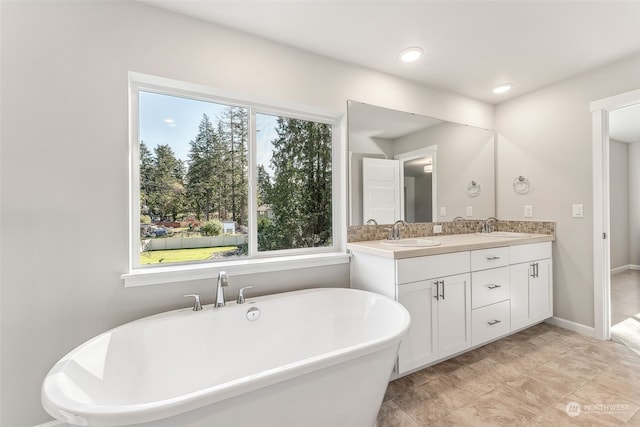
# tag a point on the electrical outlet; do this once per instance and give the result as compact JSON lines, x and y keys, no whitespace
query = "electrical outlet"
{"x":578,"y":211}
{"x":469,"y":211}
{"x":437,"y":229}
{"x":443,"y":211}
{"x":528,"y":211}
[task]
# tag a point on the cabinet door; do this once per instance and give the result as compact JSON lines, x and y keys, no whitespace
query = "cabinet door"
{"x":418,"y":347}
{"x":454,"y":314}
{"x":531,"y":293}
{"x":540,"y":294}
{"x":520,"y":313}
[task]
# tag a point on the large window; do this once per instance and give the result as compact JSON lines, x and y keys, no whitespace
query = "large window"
{"x":218,"y":179}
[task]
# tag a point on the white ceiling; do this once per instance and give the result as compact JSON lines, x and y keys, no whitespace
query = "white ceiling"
{"x":624,"y":124}
{"x":470,"y":46}
{"x":377,"y":122}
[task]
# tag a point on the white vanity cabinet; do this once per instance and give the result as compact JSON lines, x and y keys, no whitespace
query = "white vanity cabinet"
{"x":419,"y":346}
{"x":531,"y":284}
{"x":490,"y":294}
{"x":458,"y":299}
{"x":436,"y":290}
{"x":440,"y":319}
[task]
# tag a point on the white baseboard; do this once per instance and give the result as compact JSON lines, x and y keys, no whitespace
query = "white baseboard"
{"x":625,"y":268}
{"x":572,"y":326}
{"x":620,"y":269}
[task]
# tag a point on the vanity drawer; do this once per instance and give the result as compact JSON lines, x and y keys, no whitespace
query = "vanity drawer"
{"x":490,"y":286}
{"x":489,"y":322}
{"x":430,"y":267}
{"x":489,"y":258}
{"x":530,"y":252}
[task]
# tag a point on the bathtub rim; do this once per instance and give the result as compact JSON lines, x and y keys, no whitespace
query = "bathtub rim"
{"x":60,"y":406}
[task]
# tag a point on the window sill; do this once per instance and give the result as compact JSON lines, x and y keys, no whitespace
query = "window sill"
{"x":183,"y":273}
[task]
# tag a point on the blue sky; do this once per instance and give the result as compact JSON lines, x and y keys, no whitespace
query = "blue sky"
{"x":172,"y":120}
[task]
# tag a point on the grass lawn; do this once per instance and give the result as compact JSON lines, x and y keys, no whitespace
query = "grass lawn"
{"x":181,"y":255}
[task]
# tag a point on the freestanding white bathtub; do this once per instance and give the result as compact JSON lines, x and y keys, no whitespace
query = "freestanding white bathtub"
{"x":319,"y":357}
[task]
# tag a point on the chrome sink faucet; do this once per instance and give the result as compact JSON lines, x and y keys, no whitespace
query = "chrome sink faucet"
{"x":394,"y":231}
{"x":487,"y":227}
{"x":459,"y":221}
{"x":223,"y":281}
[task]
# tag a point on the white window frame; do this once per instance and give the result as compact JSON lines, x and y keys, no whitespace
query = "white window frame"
{"x":256,"y":262}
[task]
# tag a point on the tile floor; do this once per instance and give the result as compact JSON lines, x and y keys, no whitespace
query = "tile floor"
{"x":625,"y":295}
{"x":542,"y":376}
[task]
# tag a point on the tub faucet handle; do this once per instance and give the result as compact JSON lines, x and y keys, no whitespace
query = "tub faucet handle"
{"x":197,"y":306}
{"x":241,"y":294}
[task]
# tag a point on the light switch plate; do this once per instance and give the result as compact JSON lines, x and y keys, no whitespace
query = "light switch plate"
{"x":528,"y":211}
{"x":578,"y":210}
{"x":469,"y":211}
{"x":443,"y":211}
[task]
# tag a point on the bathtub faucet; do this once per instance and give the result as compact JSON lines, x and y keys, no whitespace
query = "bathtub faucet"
{"x":223,"y":281}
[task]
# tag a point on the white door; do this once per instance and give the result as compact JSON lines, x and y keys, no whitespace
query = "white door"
{"x":454,"y":314}
{"x":381,"y":198}
{"x":418,"y":347}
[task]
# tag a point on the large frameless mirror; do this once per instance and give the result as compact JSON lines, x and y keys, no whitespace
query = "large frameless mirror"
{"x":417,"y":168}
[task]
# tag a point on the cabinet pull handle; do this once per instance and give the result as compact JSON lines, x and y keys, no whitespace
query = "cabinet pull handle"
{"x":437,"y":295}
{"x":492,"y":258}
{"x":494,"y":322}
{"x":494,"y":286}
{"x":533,"y":270}
{"x":442,"y":295}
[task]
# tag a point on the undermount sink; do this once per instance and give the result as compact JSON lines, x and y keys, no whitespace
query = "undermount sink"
{"x":411,"y":242}
{"x":508,"y":234}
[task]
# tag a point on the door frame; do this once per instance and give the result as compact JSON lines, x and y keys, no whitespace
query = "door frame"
{"x":601,"y":208}
{"x":430,"y":151}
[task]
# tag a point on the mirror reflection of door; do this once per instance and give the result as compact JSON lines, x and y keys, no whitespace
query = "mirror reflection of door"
{"x":381,"y":199}
{"x":419,"y":179}
{"x":418,"y":194}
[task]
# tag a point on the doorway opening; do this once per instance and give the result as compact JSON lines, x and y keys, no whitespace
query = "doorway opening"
{"x":602,"y":197}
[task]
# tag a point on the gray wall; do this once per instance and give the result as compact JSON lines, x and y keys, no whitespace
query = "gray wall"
{"x":464,"y":154}
{"x":546,"y":136}
{"x":64,"y":163}
{"x":619,"y":198}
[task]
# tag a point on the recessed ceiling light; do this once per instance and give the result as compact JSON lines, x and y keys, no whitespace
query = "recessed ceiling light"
{"x":411,"y":54}
{"x":502,"y":88}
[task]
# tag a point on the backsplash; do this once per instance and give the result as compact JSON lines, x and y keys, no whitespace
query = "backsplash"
{"x":362,"y":233}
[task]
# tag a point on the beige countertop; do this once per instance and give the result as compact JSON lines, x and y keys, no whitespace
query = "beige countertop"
{"x":448,"y":244}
